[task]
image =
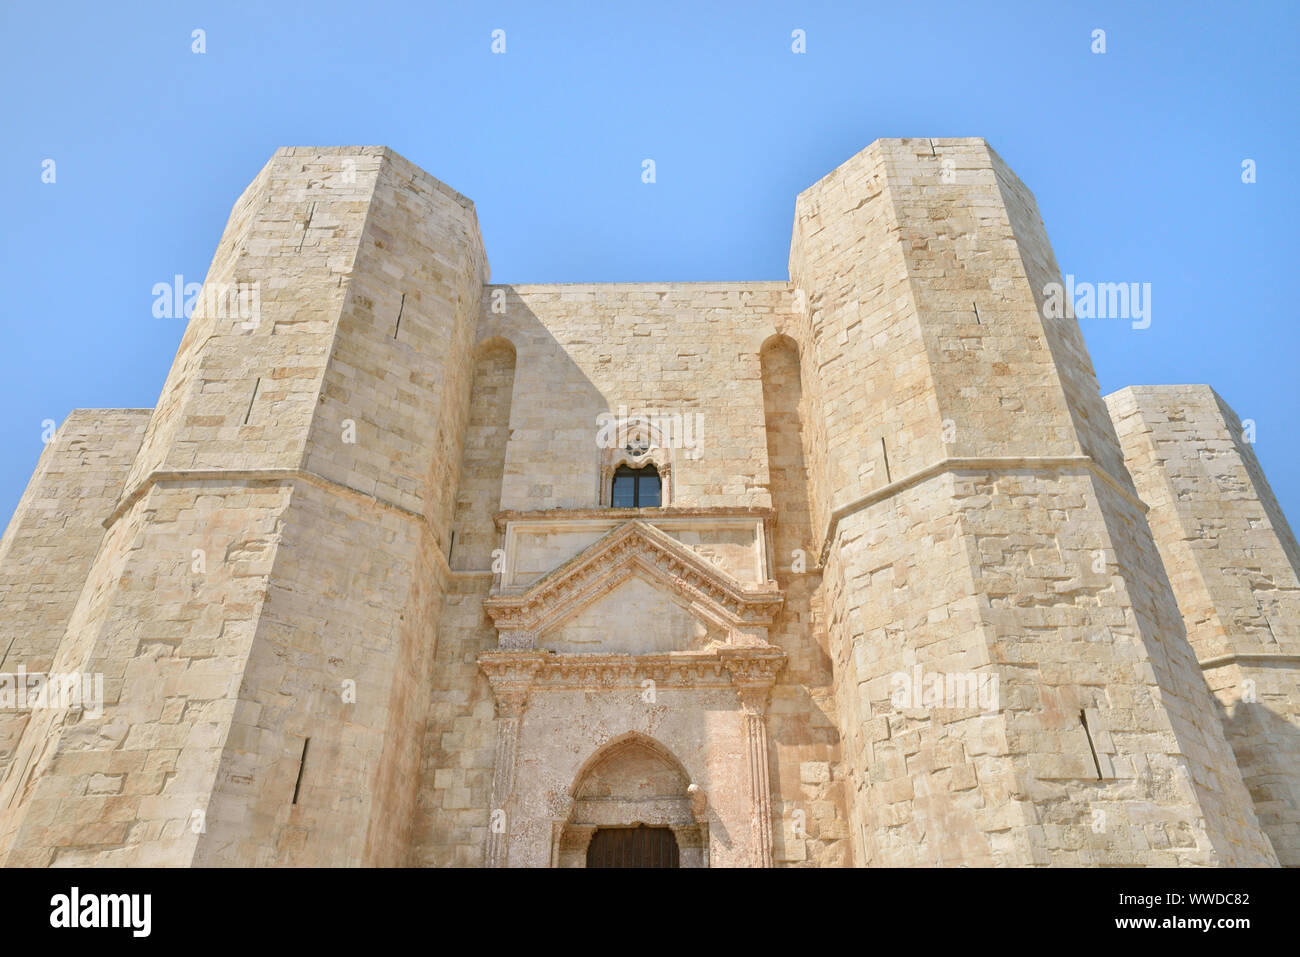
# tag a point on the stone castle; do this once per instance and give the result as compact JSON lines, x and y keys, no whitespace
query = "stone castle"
{"x":858,"y":569}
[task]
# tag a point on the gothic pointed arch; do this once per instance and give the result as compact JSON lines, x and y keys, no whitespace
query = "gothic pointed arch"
{"x":633,"y":782}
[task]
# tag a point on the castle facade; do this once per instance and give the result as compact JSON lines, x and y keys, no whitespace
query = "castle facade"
{"x":854,"y":569}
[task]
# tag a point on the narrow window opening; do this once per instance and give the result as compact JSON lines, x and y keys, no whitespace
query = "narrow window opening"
{"x":884,"y":454}
{"x":977,"y":313}
{"x":400,"y":309}
{"x":451,"y":545}
{"x":1083,"y":719}
{"x":311,"y":212}
{"x":252,"y":400}
{"x":302,"y":764}
{"x":636,"y":488}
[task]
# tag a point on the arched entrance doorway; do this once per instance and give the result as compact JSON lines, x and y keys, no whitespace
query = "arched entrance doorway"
{"x":633,"y":806}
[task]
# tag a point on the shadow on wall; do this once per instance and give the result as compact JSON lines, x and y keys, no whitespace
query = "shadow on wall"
{"x":802,"y":722}
{"x":1252,"y":726}
{"x":525,"y":389}
{"x":551,"y":459}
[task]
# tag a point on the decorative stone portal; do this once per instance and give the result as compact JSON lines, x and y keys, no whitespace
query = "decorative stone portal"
{"x":674,"y":740}
{"x":633,"y":783}
{"x":661,"y":723}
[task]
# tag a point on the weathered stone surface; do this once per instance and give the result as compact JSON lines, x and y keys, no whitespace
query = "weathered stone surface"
{"x":361,"y":593}
{"x":1235,"y":570}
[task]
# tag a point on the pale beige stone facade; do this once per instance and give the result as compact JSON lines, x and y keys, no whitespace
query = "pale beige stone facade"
{"x":915,"y":594}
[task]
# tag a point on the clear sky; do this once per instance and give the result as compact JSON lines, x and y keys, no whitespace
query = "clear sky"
{"x":1135,"y":156}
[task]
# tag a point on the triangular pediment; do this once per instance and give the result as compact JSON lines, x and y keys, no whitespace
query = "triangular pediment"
{"x":635,"y":550}
{"x":635,"y":615}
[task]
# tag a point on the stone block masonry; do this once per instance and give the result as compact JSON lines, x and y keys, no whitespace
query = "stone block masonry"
{"x":1235,"y":571}
{"x":360,"y":594}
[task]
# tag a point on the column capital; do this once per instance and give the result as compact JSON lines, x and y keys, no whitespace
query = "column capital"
{"x":511,"y":673}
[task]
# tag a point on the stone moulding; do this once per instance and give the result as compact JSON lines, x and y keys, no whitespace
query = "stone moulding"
{"x":504,"y":517}
{"x":712,"y":594}
{"x":1255,"y":658}
{"x":280,"y":477}
{"x":747,"y":669}
{"x":1035,"y":463}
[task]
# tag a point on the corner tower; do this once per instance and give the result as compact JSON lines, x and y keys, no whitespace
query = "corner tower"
{"x":1235,"y":567}
{"x":980,"y":528}
{"x":263,"y":601}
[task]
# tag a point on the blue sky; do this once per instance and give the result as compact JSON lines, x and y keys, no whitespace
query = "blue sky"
{"x":1134,"y":155}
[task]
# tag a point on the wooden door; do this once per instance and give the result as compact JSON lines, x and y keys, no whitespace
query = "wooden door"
{"x":638,"y":846}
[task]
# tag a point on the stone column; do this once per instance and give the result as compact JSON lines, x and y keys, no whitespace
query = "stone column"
{"x":753,"y":681}
{"x":755,"y":704}
{"x":511,"y":677}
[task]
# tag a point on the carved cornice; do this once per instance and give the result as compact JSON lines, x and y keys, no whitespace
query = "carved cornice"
{"x":712,"y":593}
{"x":649,"y":514}
{"x":750,"y":671}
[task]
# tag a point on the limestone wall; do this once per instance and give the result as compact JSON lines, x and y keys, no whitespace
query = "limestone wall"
{"x":57,"y":526}
{"x":580,"y":351}
{"x":284,"y":587}
{"x":981,"y":526}
{"x":453,"y":804}
{"x":674,"y":348}
{"x":171,"y":643}
{"x":1235,"y":569}
{"x":51,"y":541}
{"x":810,"y":803}
{"x":311,"y":459}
